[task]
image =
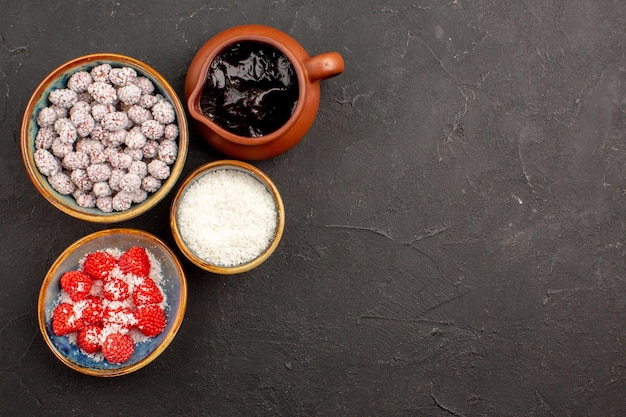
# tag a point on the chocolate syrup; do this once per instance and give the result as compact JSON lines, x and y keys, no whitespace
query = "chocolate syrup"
{"x":251,"y":89}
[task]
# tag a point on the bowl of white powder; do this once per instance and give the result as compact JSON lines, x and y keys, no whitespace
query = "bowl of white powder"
{"x":227,"y":217}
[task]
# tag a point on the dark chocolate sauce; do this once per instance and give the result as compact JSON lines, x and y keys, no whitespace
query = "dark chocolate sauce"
{"x":251,"y":89}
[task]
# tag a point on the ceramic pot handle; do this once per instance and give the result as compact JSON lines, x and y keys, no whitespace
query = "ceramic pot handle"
{"x":323,"y":66}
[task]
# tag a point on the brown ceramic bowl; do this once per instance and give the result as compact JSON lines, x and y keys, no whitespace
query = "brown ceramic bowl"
{"x":309,"y":71}
{"x":202,"y":261}
{"x":58,"y":79}
{"x":173,"y":285}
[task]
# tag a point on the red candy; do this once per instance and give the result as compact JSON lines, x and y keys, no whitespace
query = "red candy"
{"x":105,"y":298}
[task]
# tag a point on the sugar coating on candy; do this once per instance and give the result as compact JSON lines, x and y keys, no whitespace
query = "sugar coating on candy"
{"x":64,"y":97}
{"x":86,"y":200}
{"x":61,"y":183}
{"x":101,"y":189}
{"x":120,"y":160}
{"x":99,"y":110}
{"x":159,"y":169}
{"x":84,"y":123}
{"x":138,"y":114}
{"x":116,"y":177}
{"x":99,"y":172}
{"x":171,"y":131}
{"x":66,"y":130}
{"x":98,"y":133}
{"x":168,"y":151}
{"x":81,"y":180}
{"x":136,"y":154}
{"x":129,"y":94}
{"x":101,"y":72}
{"x":139,"y":168}
{"x":44,"y":137}
{"x":147,"y":87}
{"x":147,"y":101}
{"x":99,"y":138}
{"x":114,"y":139}
{"x":47,"y":116}
{"x":122,"y":201}
{"x":152,"y":129}
{"x":88,"y":145}
{"x":60,"y":111}
{"x":150,"y":149}
{"x":60,"y":148}
{"x":135,"y":139}
{"x":79,"y":81}
{"x":139,"y":196}
{"x":75,"y":160}
{"x":102,"y":92}
{"x":114,"y":121}
{"x":105,"y":204}
{"x":150,"y":184}
{"x":163,"y":112}
{"x":80,"y":106}
{"x":130,"y":182}
{"x":46,"y":163}
{"x":122,"y":76}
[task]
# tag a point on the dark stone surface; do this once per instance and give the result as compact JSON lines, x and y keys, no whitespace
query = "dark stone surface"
{"x":455,"y":230}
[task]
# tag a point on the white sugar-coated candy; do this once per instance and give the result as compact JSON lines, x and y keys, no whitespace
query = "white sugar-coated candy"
{"x":167,"y":151}
{"x":79,"y":81}
{"x":105,"y":204}
{"x":75,"y":160}
{"x":129,"y":94}
{"x":139,"y":168}
{"x":130,"y":182}
{"x":47,"y":116}
{"x":122,"y":201}
{"x":63,"y":97}
{"x":150,"y":184}
{"x":152,"y":129}
{"x":61,"y":183}
{"x":86,"y":200}
{"x":99,"y":172}
{"x":163,"y":112}
{"x":147,"y":87}
{"x":81,"y":180}
{"x":44,"y":138}
{"x":60,"y":148}
{"x":46,"y":163}
{"x":101,"y":189}
{"x":114,"y":121}
{"x":100,"y":73}
{"x":122,"y":76}
{"x":159,"y":169}
{"x":102,"y":92}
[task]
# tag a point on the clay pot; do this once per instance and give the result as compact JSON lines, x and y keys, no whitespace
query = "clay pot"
{"x":309,"y":70}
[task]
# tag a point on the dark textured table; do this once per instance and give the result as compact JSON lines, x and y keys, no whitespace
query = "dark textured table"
{"x":455,"y":234}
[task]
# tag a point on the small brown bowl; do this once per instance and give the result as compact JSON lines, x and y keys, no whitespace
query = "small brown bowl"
{"x":57,"y":79}
{"x":174,"y":288}
{"x":199,"y":259}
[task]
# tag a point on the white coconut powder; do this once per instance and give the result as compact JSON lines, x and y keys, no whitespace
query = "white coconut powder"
{"x":227,"y":217}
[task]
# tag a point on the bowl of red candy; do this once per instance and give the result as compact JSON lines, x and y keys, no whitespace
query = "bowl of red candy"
{"x":112,"y":302}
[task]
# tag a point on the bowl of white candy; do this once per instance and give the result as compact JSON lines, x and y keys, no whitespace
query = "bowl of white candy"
{"x":104,"y":138}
